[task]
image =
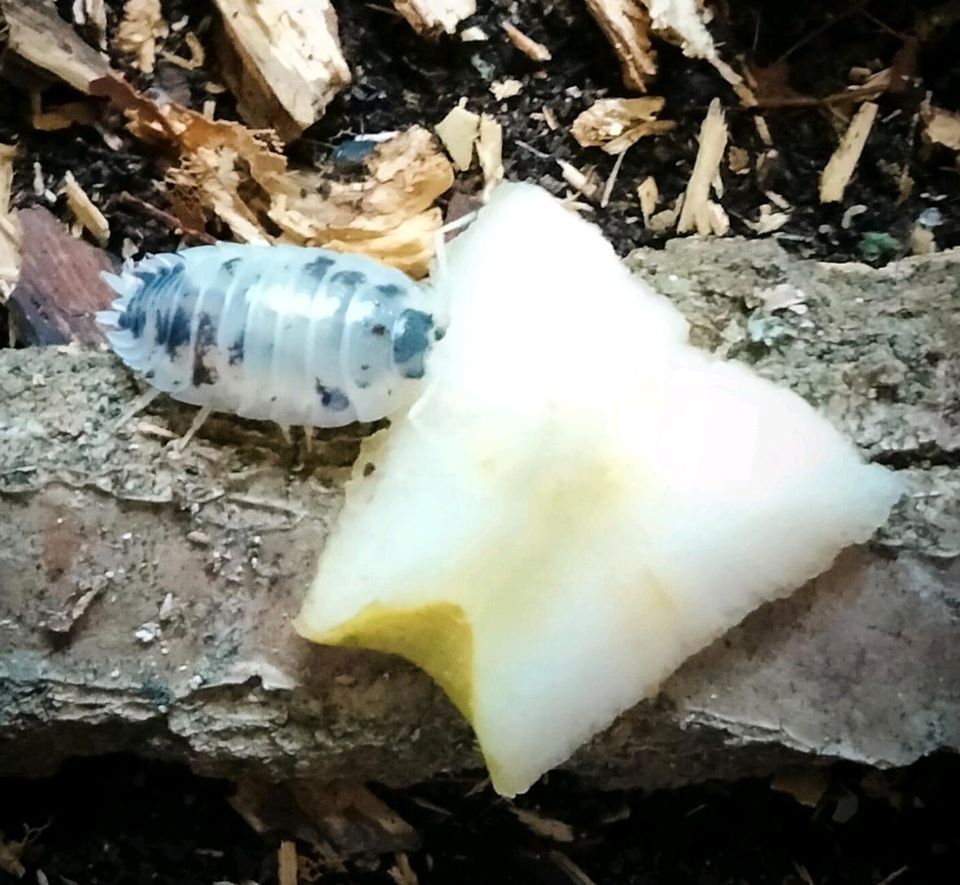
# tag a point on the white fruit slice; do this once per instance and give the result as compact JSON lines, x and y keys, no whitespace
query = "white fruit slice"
{"x":581,"y":500}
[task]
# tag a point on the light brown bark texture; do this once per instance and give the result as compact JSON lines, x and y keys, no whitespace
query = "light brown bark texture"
{"x":145,"y":599}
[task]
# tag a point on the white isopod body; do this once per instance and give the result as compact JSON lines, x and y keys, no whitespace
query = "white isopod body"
{"x":291,"y":334}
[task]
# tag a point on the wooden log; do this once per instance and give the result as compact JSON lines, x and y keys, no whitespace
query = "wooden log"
{"x":433,"y":17}
{"x":146,"y":598}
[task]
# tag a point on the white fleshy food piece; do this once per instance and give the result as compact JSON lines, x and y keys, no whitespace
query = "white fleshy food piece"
{"x":581,"y":500}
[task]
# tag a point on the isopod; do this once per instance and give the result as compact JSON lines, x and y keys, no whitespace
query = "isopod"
{"x":291,"y":334}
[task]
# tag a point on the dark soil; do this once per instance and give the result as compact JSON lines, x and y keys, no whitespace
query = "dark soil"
{"x":121,"y":820}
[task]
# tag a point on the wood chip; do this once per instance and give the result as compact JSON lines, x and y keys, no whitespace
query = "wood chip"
{"x":473,"y":35}
{"x":580,"y":182}
{"x":528,"y":46}
{"x":504,"y":89}
{"x":197,"y":54}
{"x":433,"y":17}
{"x":287,"y":863}
{"x":59,"y":287}
{"x":490,"y":152}
{"x":839,"y":169}
{"x":38,"y":36}
{"x":9,"y":228}
{"x":626,"y":24}
{"x":547,"y":827}
{"x":139,"y":31}
{"x":648,"y":193}
{"x":401,"y":872}
{"x":459,"y":131}
{"x":941,"y":126}
{"x":738,"y":160}
{"x":72,"y":113}
{"x":85,"y":211}
{"x":283,"y":61}
{"x":698,"y":212}
{"x":618,"y":121}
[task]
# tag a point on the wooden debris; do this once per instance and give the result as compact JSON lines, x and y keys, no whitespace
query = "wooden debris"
{"x":433,"y":17}
{"x":283,"y":61}
{"x":9,"y":228}
{"x":71,"y":113}
{"x":648,"y":193}
{"x":59,"y":288}
{"x":473,"y":35}
{"x":572,"y":871}
{"x":699,"y":212}
{"x":839,"y":169}
{"x":39,"y":37}
{"x":141,"y":28}
{"x":287,"y":863}
{"x":581,"y":182}
{"x":490,"y":152}
{"x":197,"y":54}
{"x":527,"y":45}
{"x":616,"y":123}
{"x":459,"y":131}
{"x":84,"y":210}
{"x":941,"y":126}
{"x":769,"y":221}
{"x":401,"y":872}
{"x":547,"y":827}
{"x":626,"y":24}
{"x":504,"y":89}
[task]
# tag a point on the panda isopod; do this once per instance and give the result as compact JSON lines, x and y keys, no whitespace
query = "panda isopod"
{"x":291,"y":334}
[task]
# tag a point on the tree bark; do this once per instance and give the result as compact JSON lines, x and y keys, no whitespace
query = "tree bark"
{"x":145,"y":597}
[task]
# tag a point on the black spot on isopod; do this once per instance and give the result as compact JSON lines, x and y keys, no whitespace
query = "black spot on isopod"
{"x":179,"y":332}
{"x":390,"y":290}
{"x":163,"y":326}
{"x":378,"y":329}
{"x":410,"y":342}
{"x":230,"y":265}
{"x":317,"y":269}
{"x":365,"y":368}
{"x":134,"y":318}
{"x":345,"y":282}
{"x":235,"y":351}
{"x":332,"y":397}
{"x":206,"y":340}
{"x":368,"y":468}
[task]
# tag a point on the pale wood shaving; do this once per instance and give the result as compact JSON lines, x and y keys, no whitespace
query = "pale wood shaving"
{"x":699,"y":212}
{"x":197,"y":54}
{"x":649,"y":194}
{"x":287,"y":863}
{"x":459,"y":131}
{"x":85,"y":211}
{"x":490,"y":152}
{"x":504,"y":89}
{"x":283,"y":61}
{"x":547,"y":827}
{"x":550,"y":119}
{"x":579,"y":181}
{"x":473,"y":35}
{"x":626,"y":24}
{"x":840,"y":168}
{"x":941,"y":126}
{"x":432,"y":17}
{"x":769,"y":220}
{"x":619,"y":122}
{"x":141,"y":27}
{"x":9,"y":227}
{"x":36,"y":34}
{"x":527,"y":45}
{"x":402,"y":873}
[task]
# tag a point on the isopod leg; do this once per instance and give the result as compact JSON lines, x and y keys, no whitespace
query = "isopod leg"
{"x":285,"y":430}
{"x":195,"y":425}
{"x":308,"y":438}
{"x":137,"y":406}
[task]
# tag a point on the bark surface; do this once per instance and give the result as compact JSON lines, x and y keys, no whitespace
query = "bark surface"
{"x":145,"y":597}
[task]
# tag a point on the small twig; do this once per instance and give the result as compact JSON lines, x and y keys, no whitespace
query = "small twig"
{"x":864,"y":93}
{"x":532,"y":149}
{"x":167,"y":218}
{"x":826,"y":26}
{"x":608,"y":188}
